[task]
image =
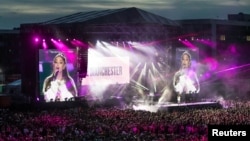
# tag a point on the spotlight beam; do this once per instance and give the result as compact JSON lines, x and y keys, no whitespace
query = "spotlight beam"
{"x":233,"y":68}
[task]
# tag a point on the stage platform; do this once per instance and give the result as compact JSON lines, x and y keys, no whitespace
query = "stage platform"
{"x":119,"y":103}
{"x":170,"y":106}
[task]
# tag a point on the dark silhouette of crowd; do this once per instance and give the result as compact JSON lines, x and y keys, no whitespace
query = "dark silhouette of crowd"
{"x":117,"y":124}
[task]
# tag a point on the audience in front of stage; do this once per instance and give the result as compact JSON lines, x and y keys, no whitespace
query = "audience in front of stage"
{"x":101,"y":124}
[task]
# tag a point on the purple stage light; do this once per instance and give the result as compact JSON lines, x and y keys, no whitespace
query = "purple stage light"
{"x":44,"y":45}
{"x":189,"y":44}
{"x":36,"y":39}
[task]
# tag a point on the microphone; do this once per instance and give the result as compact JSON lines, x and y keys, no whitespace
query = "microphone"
{"x":55,"y":75}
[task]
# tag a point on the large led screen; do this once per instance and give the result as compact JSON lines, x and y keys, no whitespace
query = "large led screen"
{"x":186,"y":80}
{"x":58,"y":74}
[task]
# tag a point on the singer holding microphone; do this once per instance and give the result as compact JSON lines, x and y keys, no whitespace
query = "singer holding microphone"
{"x":59,"y":85}
{"x":185,"y":80}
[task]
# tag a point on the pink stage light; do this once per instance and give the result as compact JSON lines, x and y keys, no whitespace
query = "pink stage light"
{"x":65,"y":49}
{"x":44,"y":44}
{"x":36,"y":39}
{"x":79,"y":43}
{"x":207,"y":42}
{"x":189,"y":44}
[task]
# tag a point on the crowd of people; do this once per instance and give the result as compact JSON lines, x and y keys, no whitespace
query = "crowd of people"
{"x":117,"y":124}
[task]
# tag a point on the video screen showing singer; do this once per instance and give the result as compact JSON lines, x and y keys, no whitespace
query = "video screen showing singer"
{"x":59,"y":85}
{"x":185,"y":80}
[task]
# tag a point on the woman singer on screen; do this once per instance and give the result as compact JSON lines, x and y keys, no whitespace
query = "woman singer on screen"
{"x":185,"y":80}
{"x":59,"y":85}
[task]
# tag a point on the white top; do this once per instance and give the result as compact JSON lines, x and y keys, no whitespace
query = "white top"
{"x":186,"y":81}
{"x":58,"y":90}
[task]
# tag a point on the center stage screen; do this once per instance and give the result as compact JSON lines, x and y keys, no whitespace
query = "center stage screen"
{"x":107,"y":70}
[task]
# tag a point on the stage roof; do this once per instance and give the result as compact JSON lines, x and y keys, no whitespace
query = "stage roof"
{"x":113,"y":16}
{"x":113,"y":24}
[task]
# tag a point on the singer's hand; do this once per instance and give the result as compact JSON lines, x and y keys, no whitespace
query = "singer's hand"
{"x":51,"y":92}
{"x":55,"y":75}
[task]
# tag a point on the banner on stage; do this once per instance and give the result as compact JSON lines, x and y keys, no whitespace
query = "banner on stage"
{"x":107,"y":70}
